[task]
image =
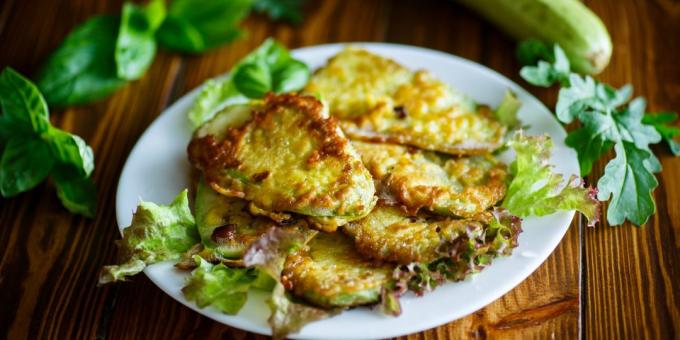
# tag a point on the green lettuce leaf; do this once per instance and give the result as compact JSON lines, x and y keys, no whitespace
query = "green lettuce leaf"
{"x":223,"y":287}
{"x":535,"y":190}
{"x":507,"y":110}
{"x":157,"y":233}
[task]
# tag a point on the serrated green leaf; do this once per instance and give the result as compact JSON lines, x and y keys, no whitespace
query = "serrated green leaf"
{"x":629,"y":183}
{"x":590,"y":147}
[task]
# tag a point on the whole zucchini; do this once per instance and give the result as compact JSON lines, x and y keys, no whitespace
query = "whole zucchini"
{"x":569,"y":23}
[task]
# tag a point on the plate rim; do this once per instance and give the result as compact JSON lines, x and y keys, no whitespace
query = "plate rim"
{"x":431,"y":323}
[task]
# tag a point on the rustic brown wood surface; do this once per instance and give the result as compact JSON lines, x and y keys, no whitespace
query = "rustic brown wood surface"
{"x":606,"y":282}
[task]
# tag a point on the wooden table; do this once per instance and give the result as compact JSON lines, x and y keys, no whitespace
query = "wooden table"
{"x":607,"y":282}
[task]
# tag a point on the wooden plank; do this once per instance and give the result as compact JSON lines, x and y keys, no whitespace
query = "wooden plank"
{"x":632,"y":274}
{"x":49,"y":259}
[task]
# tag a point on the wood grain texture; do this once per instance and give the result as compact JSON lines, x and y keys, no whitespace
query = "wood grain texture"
{"x":606,"y":282}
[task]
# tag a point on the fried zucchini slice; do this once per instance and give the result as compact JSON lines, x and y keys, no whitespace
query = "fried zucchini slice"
{"x":389,"y":234}
{"x":285,"y":155}
{"x":448,"y":186}
{"x":379,"y":100}
{"x":330,"y":273}
{"x":224,"y":223}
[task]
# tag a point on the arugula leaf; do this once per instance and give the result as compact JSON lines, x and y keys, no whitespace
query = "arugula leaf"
{"x":223,"y":287}
{"x":545,"y":73}
{"x":629,"y":182}
{"x":82,"y":69}
{"x":590,"y":146}
{"x":287,"y":10}
{"x":270,"y":67}
{"x":24,"y":164}
{"x":157,"y":233}
{"x":662,"y":123}
{"x":195,"y":26}
{"x":136,"y":44}
{"x":535,"y":190}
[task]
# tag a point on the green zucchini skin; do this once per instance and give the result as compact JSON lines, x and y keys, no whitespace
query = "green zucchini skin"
{"x":569,"y":23}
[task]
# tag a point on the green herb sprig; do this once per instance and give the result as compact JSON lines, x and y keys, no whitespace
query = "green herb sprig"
{"x":33,"y":149}
{"x":609,"y":119}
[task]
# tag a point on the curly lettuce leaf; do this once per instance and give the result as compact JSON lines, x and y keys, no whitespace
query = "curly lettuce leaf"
{"x":157,"y":233}
{"x":535,"y":190}
{"x":268,"y":254}
{"x":223,"y":287}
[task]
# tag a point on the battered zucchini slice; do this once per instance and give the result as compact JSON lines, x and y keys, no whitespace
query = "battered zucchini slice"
{"x":285,"y":155}
{"x":448,"y":186}
{"x":224,"y":223}
{"x":382,"y":101}
{"x":389,"y":234}
{"x":330,"y":273}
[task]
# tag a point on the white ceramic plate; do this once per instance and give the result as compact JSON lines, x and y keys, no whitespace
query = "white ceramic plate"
{"x":157,"y":169}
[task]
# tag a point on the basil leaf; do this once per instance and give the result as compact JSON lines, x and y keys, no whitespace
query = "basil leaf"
{"x":270,"y":67}
{"x":83,"y":68}
{"x":77,"y":194}
{"x":195,"y":26}
{"x":25,"y":163}
{"x":136,"y":45}
{"x":286,"y":10}
{"x":22,"y":103}
{"x":291,"y":77}
{"x":253,"y":79}
{"x":71,"y":150}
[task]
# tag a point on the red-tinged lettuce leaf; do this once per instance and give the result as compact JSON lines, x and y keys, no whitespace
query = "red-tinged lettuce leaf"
{"x":268,"y":254}
{"x":157,"y":233}
{"x":536,"y":190}
{"x":465,"y":256}
{"x":223,"y":287}
{"x":288,"y":316}
{"x":389,"y":302}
